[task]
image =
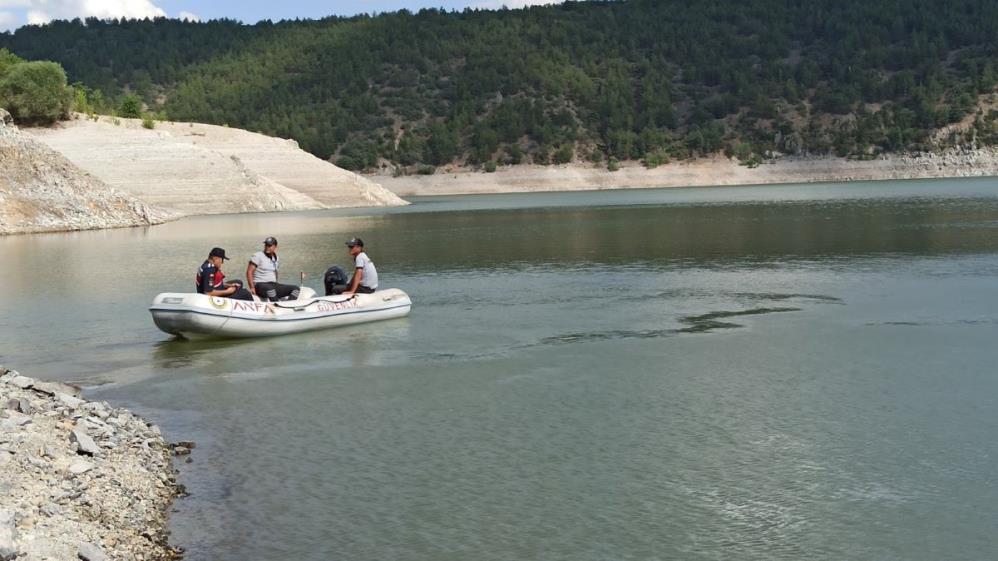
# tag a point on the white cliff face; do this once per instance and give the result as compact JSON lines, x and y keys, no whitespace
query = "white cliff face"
{"x":192,"y":168}
{"x":41,"y":191}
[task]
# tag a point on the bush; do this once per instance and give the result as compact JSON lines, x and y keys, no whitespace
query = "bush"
{"x":426,"y":170}
{"x":655,"y":159}
{"x":613,"y":164}
{"x":148,"y":122}
{"x":564,"y":154}
{"x":36,"y":93}
{"x":490,"y":166}
{"x":7,"y":61}
{"x":131,"y":107}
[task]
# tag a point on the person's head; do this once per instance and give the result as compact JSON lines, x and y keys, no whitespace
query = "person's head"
{"x":217,"y":256}
{"x":270,"y":245}
{"x":355,"y":246}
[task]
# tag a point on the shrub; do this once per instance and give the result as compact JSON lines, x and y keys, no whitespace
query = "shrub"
{"x":36,"y":92}
{"x":148,"y":122}
{"x":426,"y":170}
{"x":490,"y":166}
{"x":655,"y":159}
{"x":613,"y":164}
{"x":131,"y":107}
{"x":7,"y":61}
{"x":564,"y":154}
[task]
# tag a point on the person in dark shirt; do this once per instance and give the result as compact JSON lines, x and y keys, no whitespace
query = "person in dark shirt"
{"x":211,"y":281}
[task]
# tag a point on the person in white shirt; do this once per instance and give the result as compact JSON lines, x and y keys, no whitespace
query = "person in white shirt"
{"x":261,"y":274}
{"x":365,"y":276}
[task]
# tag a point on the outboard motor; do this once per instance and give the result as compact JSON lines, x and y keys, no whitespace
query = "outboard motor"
{"x":335,"y":280}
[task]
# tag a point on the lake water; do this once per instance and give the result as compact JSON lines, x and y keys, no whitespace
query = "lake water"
{"x":787,"y":372}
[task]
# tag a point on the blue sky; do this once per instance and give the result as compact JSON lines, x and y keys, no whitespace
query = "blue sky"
{"x":15,"y":13}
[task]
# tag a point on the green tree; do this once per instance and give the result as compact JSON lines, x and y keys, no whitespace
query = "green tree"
{"x":131,"y":107}
{"x":36,"y":92}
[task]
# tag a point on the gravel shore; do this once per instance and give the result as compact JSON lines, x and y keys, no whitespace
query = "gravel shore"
{"x":79,"y":479}
{"x":705,"y":172}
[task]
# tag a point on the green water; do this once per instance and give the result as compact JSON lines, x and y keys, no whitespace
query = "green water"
{"x":791,"y":372}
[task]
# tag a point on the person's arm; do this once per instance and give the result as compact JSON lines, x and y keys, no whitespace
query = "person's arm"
{"x":355,"y":281}
{"x":249,"y":276}
{"x":224,"y":291}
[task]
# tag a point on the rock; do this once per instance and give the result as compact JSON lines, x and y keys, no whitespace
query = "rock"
{"x":22,"y":382}
{"x":50,"y":509}
{"x":5,"y":118}
{"x":80,"y":467}
{"x":91,"y":552}
{"x":8,"y":536}
{"x":86,"y":445}
{"x":187,"y":444}
{"x":70,"y":401}
{"x":24,"y":406}
{"x":53,"y":388}
{"x":181,"y":450}
{"x":13,"y":404}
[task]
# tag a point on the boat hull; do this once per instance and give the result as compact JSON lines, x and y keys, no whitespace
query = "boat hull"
{"x":197,"y":315}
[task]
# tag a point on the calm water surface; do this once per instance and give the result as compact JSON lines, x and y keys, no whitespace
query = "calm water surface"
{"x":790,"y":372}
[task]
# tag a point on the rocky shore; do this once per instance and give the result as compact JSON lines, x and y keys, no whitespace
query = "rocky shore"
{"x":705,"y":172}
{"x":79,"y":479}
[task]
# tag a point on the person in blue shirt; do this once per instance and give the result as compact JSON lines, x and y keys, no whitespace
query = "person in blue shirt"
{"x":211,"y":280}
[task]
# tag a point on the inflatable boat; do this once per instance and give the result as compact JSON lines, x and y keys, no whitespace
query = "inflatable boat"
{"x":196,"y":315}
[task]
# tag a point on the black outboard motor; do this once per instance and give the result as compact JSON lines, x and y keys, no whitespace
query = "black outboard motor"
{"x":335,"y":280}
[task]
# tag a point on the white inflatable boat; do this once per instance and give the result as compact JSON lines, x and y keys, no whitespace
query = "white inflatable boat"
{"x":196,"y":315}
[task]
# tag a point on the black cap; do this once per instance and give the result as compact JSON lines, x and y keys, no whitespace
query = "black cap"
{"x":355,"y":242}
{"x":270,"y":241}
{"x":217,"y":252}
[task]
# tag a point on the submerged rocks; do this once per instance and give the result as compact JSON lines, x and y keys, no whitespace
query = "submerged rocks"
{"x":79,"y":479}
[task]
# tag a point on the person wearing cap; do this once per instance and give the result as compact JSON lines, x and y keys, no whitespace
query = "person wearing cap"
{"x":365,"y":276}
{"x":261,"y":273}
{"x":211,"y":280}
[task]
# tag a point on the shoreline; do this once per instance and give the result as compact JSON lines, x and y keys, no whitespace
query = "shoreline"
{"x":716,"y":171}
{"x":80,"y":479}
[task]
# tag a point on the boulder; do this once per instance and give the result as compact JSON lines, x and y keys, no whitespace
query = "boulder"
{"x":8,"y":536}
{"x":90,"y":552}
{"x":82,"y":439}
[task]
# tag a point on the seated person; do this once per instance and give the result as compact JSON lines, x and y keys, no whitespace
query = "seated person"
{"x":211,"y":281}
{"x":261,"y":273}
{"x":365,"y":276}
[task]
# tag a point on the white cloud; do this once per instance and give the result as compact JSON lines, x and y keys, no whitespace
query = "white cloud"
{"x":187,"y":16}
{"x":15,"y":3}
{"x":7,"y":21}
{"x":42,"y":11}
{"x":514,"y":4}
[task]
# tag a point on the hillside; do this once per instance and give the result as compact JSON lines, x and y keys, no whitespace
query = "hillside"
{"x":42,"y":191}
{"x":645,"y":80}
{"x":192,"y":168}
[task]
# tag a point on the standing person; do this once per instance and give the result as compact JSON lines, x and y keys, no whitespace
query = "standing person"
{"x":365,"y":276}
{"x":211,"y":280}
{"x":261,"y":273}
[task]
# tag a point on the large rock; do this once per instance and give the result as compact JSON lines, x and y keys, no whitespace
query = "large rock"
{"x":8,"y":536}
{"x":86,"y":444}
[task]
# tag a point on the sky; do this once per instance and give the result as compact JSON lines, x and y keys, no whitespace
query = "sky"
{"x":15,"y":13}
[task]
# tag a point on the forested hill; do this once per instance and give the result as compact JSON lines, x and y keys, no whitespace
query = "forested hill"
{"x":600,"y":81}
